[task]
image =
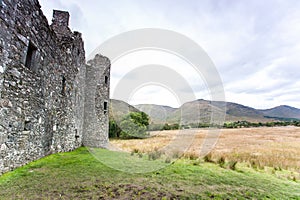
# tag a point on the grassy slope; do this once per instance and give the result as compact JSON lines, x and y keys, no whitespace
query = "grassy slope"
{"x":78,"y":175}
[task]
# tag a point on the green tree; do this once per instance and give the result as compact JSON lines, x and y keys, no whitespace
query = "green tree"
{"x":139,"y":118}
{"x":114,"y":129}
{"x":134,"y":125}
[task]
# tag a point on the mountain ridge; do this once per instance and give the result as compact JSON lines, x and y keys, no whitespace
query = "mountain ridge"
{"x":234,"y":112}
{"x":200,"y":110}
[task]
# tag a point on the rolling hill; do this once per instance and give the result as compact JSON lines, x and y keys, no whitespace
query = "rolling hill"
{"x":282,"y":111}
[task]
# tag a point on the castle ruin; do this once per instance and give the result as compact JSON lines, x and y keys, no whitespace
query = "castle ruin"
{"x":51,"y":100}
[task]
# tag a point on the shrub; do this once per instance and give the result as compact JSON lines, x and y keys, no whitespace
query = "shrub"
{"x":208,"y":158}
{"x":232,"y":165}
{"x":168,"y":160}
{"x":191,"y":156}
{"x":166,"y":127}
{"x":253,"y":164}
{"x":176,"y":154}
{"x":154,"y":155}
{"x":221,"y":161}
{"x":196,"y":162}
{"x":135,"y":150}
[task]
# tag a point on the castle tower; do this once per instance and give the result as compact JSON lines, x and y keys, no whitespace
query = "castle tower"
{"x":96,"y":120}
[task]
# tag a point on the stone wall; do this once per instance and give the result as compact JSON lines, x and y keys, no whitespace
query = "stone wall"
{"x":42,"y":84}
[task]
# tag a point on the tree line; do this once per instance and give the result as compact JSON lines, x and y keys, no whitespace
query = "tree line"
{"x":136,"y":125}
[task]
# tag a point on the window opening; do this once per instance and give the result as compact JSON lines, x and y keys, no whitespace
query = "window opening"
{"x":31,"y":51}
{"x":105,"y":107}
{"x":63,"y":85}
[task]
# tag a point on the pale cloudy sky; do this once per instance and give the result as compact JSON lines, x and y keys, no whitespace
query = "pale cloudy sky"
{"x":255,"y":45}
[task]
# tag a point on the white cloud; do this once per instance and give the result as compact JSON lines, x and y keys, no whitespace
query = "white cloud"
{"x":254,"y":44}
{"x":154,"y":94}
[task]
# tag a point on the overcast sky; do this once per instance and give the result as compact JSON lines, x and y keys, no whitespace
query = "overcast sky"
{"x":255,"y":45}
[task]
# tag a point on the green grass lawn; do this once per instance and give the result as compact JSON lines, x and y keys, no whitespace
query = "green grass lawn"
{"x":78,"y":175}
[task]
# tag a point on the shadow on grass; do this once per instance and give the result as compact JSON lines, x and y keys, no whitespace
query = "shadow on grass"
{"x":128,"y":162}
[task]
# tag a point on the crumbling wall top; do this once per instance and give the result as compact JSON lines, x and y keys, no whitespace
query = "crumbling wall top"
{"x":99,"y":60}
{"x":60,"y":23}
{"x":60,"y":18}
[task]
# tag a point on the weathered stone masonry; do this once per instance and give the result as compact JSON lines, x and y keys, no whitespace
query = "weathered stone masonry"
{"x":96,"y":104}
{"x":44,"y":83}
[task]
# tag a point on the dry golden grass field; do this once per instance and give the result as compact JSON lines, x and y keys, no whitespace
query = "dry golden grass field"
{"x":276,"y":147}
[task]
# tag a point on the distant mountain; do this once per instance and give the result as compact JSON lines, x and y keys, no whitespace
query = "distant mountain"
{"x":194,"y":112}
{"x":118,"y":109}
{"x":238,"y":112}
{"x":282,"y":111}
{"x":199,"y":111}
{"x":157,"y":113}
